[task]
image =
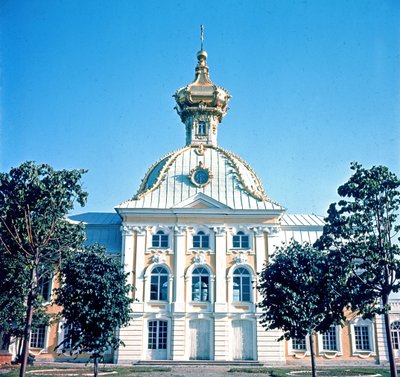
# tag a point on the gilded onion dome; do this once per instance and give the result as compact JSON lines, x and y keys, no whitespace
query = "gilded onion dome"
{"x":201,"y":105}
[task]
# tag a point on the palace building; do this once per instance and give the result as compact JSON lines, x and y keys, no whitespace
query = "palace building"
{"x":193,"y":239}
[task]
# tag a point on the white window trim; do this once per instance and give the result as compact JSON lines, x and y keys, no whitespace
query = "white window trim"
{"x":145,"y":343}
{"x":188,"y":280}
{"x":207,"y":232}
{"x":153,"y":231}
{"x":247,"y":232}
{"x":46,"y":343}
{"x":230,"y":285}
{"x":147,"y":284}
{"x":330,"y":354}
{"x":363,"y":353}
{"x":299,"y":354}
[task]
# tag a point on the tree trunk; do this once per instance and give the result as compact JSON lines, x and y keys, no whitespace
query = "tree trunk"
{"x":28,"y":325}
{"x":388,"y":333}
{"x":313,"y":370}
{"x":96,"y":366}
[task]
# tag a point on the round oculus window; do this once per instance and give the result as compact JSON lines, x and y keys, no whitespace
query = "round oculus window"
{"x":200,"y":176}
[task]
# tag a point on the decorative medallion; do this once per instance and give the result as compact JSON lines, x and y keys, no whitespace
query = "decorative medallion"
{"x":200,"y":176}
{"x":200,"y":150}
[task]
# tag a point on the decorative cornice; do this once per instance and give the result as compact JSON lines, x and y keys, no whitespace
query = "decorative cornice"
{"x":127,"y":230}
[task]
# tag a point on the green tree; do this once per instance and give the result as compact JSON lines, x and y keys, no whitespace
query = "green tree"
{"x":34,"y":200}
{"x":95,"y":301}
{"x":301,"y":294}
{"x":360,"y":233}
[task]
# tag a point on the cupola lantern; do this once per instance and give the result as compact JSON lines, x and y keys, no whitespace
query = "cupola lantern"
{"x":201,"y":105}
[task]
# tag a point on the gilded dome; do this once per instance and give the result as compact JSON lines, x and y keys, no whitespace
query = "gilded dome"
{"x":202,"y":94}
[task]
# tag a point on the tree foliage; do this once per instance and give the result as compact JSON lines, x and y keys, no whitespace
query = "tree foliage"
{"x":95,"y":300}
{"x":301,"y":293}
{"x":360,"y":233}
{"x":34,"y":200}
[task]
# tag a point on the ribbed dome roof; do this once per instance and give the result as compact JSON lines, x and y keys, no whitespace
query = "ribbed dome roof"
{"x":232,"y":182}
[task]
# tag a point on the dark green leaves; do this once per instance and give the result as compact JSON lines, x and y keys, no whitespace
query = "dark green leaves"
{"x":95,"y":300}
{"x":301,"y":292}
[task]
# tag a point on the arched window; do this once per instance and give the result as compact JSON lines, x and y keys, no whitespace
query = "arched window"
{"x":200,"y":284}
{"x":241,"y":285}
{"x":160,"y":239}
{"x":201,"y":128}
{"x":241,"y":240}
{"x":159,"y":284}
{"x":201,"y":240}
{"x":395,"y":330}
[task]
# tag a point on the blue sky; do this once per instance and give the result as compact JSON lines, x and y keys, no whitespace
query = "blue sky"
{"x":315,"y":85}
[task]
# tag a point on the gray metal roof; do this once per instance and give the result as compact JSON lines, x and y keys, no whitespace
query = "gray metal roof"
{"x":233,"y":183}
{"x":102,"y":228}
{"x":97,"y":218}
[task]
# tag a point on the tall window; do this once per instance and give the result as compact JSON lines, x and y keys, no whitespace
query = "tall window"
{"x":68,"y":336}
{"x":395,"y":330}
{"x":201,"y":128}
{"x":159,"y":284}
{"x":38,"y":337}
{"x":241,"y":240}
{"x":362,"y":338}
{"x":158,"y":335}
{"x":160,"y":239}
{"x":241,"y":285}
{"x":200,"y":284}
{"x":201,"y":240}
{"x":329,"y":340}
{"x":44,"y":285}
{"x":299,"y":344}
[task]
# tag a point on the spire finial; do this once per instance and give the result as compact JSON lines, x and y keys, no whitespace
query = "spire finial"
{"x":202,"y":36}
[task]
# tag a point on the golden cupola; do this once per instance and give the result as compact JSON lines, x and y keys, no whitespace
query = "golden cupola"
{"x":201,"y":105}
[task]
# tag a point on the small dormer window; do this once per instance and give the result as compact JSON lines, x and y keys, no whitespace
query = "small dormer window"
{"x":201,"y":128}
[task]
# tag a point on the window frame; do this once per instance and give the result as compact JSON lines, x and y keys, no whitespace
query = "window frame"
{"x":236,"y":276}
{"x":39,"y":334}
{"x":159,"y":283}
{"x":395,"y":334}
{"x":200,"y":275}
{"x":299,"y":353}
{"x":201,"y":128}
{"x":334,"y":330}
{"x":241,"y":239}
{"x":369,"y":325}
{"x":160,"y":239}
{"x":203,"y":240}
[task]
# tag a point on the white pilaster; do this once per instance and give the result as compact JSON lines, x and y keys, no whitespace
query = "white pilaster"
{"x":221,"y":337}
{"x":220,"y":269}
{"x":139,"y":268}
{"x":178,"y":338}
{"x":179,"y":273}
{"x":128,"y":253}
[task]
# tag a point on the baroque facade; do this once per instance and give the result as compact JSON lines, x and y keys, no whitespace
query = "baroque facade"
{"x":193,"y":239}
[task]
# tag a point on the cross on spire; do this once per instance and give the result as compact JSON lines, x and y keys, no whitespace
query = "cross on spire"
{"x":202,"y":36}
